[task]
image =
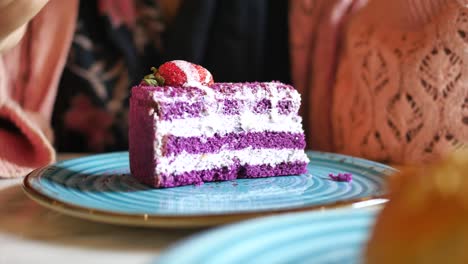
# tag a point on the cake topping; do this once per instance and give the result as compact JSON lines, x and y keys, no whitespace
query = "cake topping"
{"x":179,"y":73}
{"x":341,"y":177}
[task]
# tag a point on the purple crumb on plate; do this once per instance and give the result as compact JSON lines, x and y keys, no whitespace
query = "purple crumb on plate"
{"x":341,"y":177}
{"x":198,"y":184}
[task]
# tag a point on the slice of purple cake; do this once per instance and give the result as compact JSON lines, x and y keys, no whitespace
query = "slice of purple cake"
{"x":194,"y":133}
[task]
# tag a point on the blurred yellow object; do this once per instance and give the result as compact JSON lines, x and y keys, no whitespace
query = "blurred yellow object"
{"x":426,"y":219}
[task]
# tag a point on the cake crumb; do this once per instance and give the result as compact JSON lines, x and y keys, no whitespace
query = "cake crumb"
{"x":341,"y":177}
{"x":198,"y":184}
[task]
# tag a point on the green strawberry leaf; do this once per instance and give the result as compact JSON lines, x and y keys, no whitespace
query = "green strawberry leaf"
{"x":152,"y":82}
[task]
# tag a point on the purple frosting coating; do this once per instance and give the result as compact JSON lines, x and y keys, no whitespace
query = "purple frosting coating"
{"x":234,"y":141}
{"x":169,"y":91}
{"x":231,"y":173}
{"x":141,"y":133}
{"x":228,"y":89}
{"x":232,"y":88}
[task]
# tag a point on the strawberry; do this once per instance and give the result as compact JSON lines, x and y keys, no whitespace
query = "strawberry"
{"x":172,"y":74}
{"x":179,"y":73}
{"x":205,"y":76}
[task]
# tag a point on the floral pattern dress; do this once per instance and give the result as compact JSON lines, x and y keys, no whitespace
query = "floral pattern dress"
{"x":115,"y":43}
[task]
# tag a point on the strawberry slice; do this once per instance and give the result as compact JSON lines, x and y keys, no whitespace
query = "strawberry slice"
{"x":179,"y":73}
{"x":205,"y":77}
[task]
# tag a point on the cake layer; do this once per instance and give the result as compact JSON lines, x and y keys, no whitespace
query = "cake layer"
{"x":231,"y":172}
{"x":233,"y":141}
{"x":198,"y":162}
{"x":221,"y":124}
{"x":181,"y":110}
{"x":224,"y":99}
{"x":236,"y":91}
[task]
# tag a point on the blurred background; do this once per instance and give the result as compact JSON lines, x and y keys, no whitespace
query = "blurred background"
{"x":116,"y":43}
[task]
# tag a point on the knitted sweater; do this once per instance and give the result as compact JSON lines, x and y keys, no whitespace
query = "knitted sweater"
{"x":384,"y":80}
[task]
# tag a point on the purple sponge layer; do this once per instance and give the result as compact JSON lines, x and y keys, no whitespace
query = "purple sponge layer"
{"x":228,"y":173}
{"x":234,"y":141}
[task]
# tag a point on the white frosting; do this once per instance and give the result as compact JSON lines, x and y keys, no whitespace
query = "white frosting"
{"x":250,"y":122}
{"x":243,"y":93}
{"x":193,"y":77}
{"x":185,"y":162}
{"x":274,"y":98}
{"x":208,"y":91}
{"x":224,"y":124}
{"x":207,"y":77}
{"x":189,"y":70}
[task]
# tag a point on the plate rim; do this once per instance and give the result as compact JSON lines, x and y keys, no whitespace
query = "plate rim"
{"x":198,"y":237}
{"x":179,"y":221}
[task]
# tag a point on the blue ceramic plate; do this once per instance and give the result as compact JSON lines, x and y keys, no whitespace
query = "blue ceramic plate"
{"x":333,"y":236}
{"x":101,"y":188}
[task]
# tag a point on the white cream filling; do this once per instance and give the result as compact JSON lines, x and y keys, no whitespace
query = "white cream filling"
{"x":193,"y":77}
{"x":188,"y":69}
{"x":244,"y":92}
{"x":274,"y":98}
{"x":223,"y":124}
{"x":186,"y":162}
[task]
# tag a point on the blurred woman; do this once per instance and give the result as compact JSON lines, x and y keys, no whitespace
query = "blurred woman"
{"x":384,"y":80}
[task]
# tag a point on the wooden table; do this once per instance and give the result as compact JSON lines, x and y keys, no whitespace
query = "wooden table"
{"x":30,"y":233}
